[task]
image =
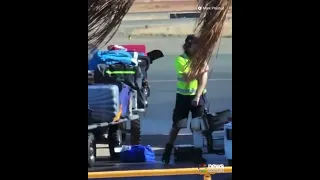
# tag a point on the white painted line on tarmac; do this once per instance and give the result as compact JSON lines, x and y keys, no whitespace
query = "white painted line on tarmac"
{"x":172,"y":80}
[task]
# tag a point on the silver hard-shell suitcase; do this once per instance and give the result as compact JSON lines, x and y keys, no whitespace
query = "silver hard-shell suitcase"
{"x":104,"y":102}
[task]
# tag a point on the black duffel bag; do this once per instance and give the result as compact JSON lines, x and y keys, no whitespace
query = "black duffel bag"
{"x":215,"y":122}
{"x":184,"y":153}
{"x":130,"y":75}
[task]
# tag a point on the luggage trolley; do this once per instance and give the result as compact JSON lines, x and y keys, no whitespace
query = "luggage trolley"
{"x":101,"y":132}
{"x":113,"y":132}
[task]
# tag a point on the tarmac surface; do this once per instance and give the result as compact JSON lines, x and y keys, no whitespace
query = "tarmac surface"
{"x":142,"y":23}
{"x":164,"y":19}
{"x":128,"y":26}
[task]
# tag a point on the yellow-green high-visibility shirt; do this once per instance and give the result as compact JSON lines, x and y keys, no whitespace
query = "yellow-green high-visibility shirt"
{"x":182,"y":67}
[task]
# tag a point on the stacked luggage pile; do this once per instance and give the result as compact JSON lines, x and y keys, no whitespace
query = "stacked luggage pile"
{"x":117,"y":92}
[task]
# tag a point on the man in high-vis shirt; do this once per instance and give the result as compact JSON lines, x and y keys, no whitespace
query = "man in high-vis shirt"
{"x":190,"y":95}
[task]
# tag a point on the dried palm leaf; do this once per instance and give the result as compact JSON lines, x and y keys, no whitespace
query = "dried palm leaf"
{"x":104,"y":19}
{"x":210,"y":25}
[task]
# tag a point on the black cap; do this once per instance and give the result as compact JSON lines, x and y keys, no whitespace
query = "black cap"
{"x":190,"y":38}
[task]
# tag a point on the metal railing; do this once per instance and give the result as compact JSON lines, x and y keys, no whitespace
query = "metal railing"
{"x":155,"y":172}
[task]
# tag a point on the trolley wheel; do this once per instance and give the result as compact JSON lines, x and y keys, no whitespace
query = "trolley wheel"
{"x":135,"y":132}
{"x":91,"y":150}
{"x":114,"y":140}
{"x":229,"y":162}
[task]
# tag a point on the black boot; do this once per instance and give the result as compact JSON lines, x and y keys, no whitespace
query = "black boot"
{"x":167,"y":153}
{"x":208,"y":135}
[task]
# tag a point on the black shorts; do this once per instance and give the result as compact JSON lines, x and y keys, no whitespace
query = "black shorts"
{"x":183,"y":107}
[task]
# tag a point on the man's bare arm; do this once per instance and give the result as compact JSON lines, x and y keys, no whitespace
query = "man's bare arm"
{"x":202,"y":83}
{"x":187,"y":76}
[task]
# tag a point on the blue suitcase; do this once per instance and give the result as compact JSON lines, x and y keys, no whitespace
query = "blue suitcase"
{"x":104,"y":102}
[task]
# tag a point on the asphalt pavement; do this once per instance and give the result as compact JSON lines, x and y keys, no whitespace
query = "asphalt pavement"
{"x":127,"y":27}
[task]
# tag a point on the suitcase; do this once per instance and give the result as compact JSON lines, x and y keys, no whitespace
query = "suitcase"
{"x":184,"y":153}
{"x":135,"y":48}
{"x":104,"y":102}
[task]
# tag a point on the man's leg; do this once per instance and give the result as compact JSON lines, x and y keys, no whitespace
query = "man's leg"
{"x":173,"y":134}
{"x":197,"y":125}
{"x":200,"y":109}
{"x":198,"y":112}
{"x":180,"y":120}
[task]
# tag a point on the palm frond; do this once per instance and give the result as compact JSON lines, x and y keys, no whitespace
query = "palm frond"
{"x":104,"y":19}
{"x":209,"y":27}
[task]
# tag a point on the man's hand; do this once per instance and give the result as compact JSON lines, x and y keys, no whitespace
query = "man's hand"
{"x":195,"y":101}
